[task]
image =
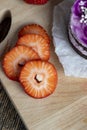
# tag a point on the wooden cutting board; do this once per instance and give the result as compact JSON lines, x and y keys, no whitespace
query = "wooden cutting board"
{"x":66,"y":108}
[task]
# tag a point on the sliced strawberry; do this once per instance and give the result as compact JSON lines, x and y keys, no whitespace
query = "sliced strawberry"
{"x":38,"y":78}
{"x":37,"y":43}
{"x":36,"y":1}
{"x":15,"y":59}
{"x":34,"y":29}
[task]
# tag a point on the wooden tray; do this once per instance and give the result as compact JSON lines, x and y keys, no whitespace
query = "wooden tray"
{"x":66,"y":108}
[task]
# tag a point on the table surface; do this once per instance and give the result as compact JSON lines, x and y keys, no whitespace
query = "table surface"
{"x":66,"y":108}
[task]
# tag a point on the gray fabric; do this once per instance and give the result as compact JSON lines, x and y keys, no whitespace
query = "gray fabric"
{"x":9,"y":118}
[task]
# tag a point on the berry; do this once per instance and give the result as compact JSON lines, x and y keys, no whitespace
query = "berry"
{"x":36,"y":1}
{"x":38,"y":78}
{"x":37,"y":43}
{"x":34,"y":29}
{"x":15,"y":59}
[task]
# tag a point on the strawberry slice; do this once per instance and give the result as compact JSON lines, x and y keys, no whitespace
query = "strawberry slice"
{"x":38,"y":78}
{"x":37,"y":43}
{"x":36,"y":1}
{"x":34,"y":29}
{"x":15,"y":59}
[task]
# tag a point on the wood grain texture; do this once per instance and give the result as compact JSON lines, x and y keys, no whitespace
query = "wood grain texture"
{"x":66,"y":108}
{"x":71,"y":117}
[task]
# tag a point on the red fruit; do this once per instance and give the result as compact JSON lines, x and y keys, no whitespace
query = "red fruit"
{"x":37,"y":43}
{"x":36,"y":1}
{"x":15,"y":59}
{"x":34,"y":29}
{"x":38,"y":78}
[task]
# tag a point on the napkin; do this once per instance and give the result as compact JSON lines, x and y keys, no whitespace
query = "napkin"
{"x":73,"y":64}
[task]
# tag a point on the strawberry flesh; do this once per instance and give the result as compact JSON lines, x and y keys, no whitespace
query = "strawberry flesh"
{"x":38,"y":78}
{"x":37,"y":43}
{"x":34,"y":29}
{"x":15,"y":59}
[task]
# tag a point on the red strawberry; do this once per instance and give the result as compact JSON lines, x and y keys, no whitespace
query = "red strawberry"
{"x":34,"y":29}
{"x":15,"y":59}
{"x":38,"y":78}
{"x":37,"y":43}
{"x":36,"y":1}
